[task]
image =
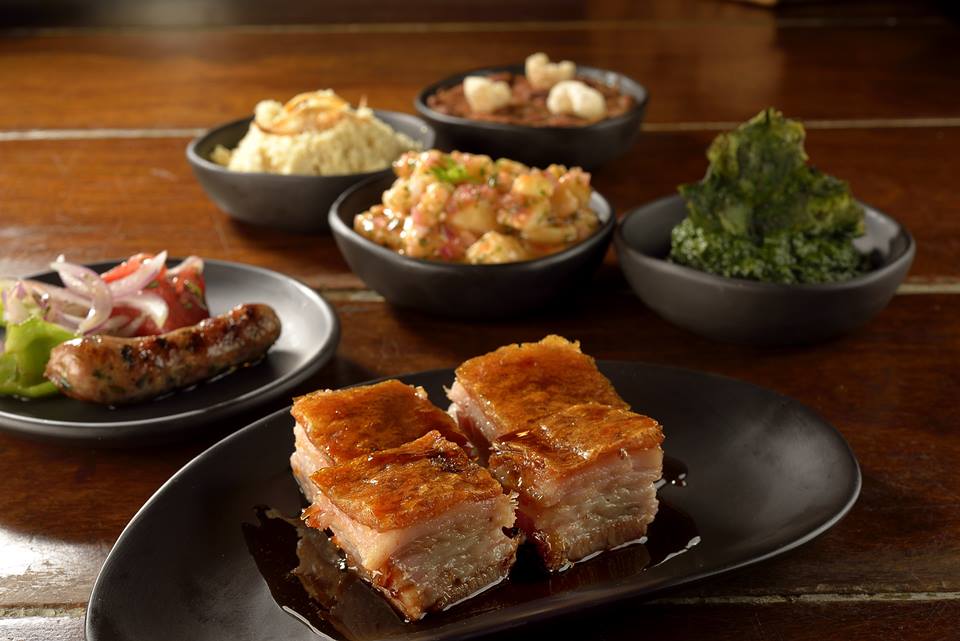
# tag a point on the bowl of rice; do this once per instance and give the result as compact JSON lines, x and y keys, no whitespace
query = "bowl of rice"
{"x":285,"y":166}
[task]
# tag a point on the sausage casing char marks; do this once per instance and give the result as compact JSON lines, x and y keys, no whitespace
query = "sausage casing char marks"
{"x":111,"y":370}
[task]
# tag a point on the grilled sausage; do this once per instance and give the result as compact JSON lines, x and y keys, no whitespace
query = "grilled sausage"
{"x":111,"y":370}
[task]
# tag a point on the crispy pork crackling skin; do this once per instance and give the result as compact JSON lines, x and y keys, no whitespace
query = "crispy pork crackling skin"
{"x":422,"y":523}
{"x":112,"y":370}
{"x":585,"y":479}
{"x":510,"y":388}
{"x":335,"y":426}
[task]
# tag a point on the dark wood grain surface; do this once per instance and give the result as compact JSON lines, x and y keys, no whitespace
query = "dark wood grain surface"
{"x":703,"y":71}
{"x":136,"y":191}
{"x":93,"y":125}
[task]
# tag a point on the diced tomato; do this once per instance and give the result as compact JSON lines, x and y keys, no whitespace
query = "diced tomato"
{"x":186,"y":294}
{"x":184,"y":291}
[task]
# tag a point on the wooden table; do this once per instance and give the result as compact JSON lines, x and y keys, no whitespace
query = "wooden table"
{"x":93,"y":124}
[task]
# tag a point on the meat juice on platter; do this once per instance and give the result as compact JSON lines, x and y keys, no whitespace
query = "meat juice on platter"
{"x":309,"y":578}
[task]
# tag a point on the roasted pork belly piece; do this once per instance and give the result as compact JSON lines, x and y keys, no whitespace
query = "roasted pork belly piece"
{"x":508,"y":389}
{"x":585,"y":479}
{"x":336,"y":426}
{"x":422,"y":523}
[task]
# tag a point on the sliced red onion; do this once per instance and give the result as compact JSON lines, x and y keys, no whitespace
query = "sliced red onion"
{"x":65,"y":320}
{"x":190,"y":261}
{"x":6,"y":305}
{"x":115,"y":326}
{"x":135,"y":281}
{"x":77,"y":278}
{"x":85,"y":305}
{"x":86,"y":281}
{"x":149,"y":305}
{"x":55,"y":300}
{"x":14,"y":308}
{"x":59,"y":295}
{"x":56,"y":304}
{"x":99,"y":311}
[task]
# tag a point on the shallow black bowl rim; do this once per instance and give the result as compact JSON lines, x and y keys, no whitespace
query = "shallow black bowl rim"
{"x":856,"y":282}
{"x":341,"y":228}
{"x":421,"y":102}
{"x":195,"y":158}
{"x":696,"y":577}
{"x":266,"y":392}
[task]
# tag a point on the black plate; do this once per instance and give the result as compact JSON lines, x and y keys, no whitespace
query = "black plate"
{"x":309,"y":338}
{"x":751,"y":312}
{"x":766,"y":474}
{"x":460,"y":290}
{"x":589,"y":146}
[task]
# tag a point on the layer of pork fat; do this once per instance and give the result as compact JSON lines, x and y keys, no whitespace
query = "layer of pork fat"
{"x":306,"y":459}
{"x":605,"y":506}
{"x":432,"y":564}
{"x":469,"y":414}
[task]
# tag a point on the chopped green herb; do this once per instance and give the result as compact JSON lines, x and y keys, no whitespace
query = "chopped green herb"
{"x":452,"y":172}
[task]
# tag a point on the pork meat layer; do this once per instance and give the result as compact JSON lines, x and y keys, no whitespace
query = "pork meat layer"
{"x":422,"y":523}
{"x":585,"y":479}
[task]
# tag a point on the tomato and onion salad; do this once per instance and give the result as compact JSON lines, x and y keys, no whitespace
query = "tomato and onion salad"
{"x":139,"y":297}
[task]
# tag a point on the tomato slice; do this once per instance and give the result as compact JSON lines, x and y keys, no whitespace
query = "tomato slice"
{"x":184,"y":291}
{"x":186,"y":294}
{"x":127,"y":267}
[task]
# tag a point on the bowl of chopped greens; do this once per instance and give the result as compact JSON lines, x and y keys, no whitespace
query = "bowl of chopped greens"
{"x":765,"y":249}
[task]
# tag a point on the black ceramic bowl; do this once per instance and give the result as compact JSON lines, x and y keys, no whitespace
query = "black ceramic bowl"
{"x":459,"y":290}
{"x":586,"y":147}
{"x":292,"y":203}
{"x":750,"y":312}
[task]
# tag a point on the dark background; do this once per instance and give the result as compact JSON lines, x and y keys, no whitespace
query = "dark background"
{"x":19,"y":14}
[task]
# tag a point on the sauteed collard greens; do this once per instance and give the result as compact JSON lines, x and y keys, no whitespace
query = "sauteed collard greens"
{"x":762,"y":213}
